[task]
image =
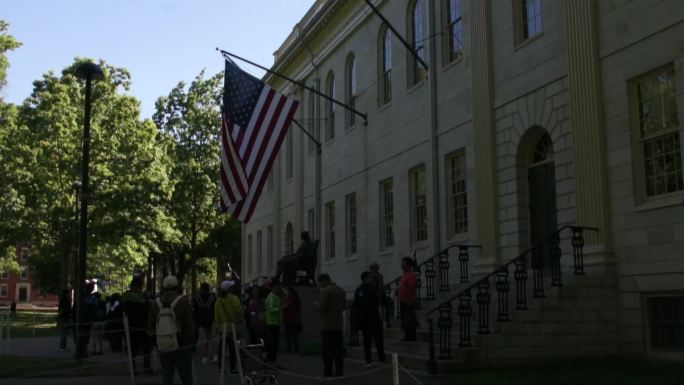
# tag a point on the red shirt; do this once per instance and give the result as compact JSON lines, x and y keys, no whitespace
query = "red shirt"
{"x":408,"y":287}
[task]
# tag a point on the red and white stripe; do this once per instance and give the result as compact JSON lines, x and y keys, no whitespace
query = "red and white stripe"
{"x":234,"y":185}
{"x":257,"y":147}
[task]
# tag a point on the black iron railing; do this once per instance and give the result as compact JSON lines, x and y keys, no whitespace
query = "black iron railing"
{"x":543,"y":253}
{"x":427,"y":272}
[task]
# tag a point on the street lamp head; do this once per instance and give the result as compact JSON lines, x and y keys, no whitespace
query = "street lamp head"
{"x":89,"y":70}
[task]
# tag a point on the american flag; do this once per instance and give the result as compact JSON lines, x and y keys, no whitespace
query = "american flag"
{"x":255,"y":121}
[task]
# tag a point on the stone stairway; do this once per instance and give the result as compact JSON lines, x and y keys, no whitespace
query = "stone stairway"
{"x":577,"y":319}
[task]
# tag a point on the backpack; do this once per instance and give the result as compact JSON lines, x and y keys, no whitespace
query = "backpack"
{"x":167,"y":327}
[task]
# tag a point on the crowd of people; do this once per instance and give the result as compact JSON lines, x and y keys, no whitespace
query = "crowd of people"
{"x":177,"y":325}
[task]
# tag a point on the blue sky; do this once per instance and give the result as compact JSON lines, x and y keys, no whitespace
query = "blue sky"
{"x":160,"y":41}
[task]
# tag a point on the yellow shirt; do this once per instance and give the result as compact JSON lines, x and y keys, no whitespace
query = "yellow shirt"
{"x":227,"y":309}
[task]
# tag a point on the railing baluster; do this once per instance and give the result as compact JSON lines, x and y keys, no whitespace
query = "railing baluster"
{"x":430,"y":278}
{"x":444,"y":271}
{"x":445,"y":323}
{"x":538,"y":271}
{"x":578,"y":249}
{"x":463,"y":258}
{"x":521,"y":283}
{"x":465,"y":313}
{"x":502,"y":288}
{"x":556,"y":254}
{"x":483,"y":300}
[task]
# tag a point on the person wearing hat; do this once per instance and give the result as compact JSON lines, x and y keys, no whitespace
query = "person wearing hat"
{"x":227,"y":310}
{"x":181,"y":358}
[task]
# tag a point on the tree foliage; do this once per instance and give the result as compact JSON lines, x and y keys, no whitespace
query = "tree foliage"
{"x":153,"y":183}
{"x":7,"y":43}
{"x":190,"y":118}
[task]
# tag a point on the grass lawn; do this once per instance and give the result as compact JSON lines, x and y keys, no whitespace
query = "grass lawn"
{"x":45,"y":325}
{"x":54,"y":367}
{"x":608,"y":371}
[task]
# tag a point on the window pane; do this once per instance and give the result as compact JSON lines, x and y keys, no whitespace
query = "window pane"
{"x":457,"y":202}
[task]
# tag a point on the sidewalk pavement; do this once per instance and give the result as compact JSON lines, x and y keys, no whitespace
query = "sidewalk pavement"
{"x":309,"y":366}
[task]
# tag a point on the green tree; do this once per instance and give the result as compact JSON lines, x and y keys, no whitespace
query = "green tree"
{"x":128,"y":177}
{"x":7,"y":43}
{"x":190,"y":119}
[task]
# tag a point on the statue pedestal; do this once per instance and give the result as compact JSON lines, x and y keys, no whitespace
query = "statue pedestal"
{"x":311,"y":319}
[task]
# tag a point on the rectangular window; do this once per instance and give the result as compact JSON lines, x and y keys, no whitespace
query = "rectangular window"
{"x":4,"y":274}
{"x":289,"y":153}
{"x":25,"y":253}
{"x":532,"y":18}
{"x":528,"y":19}
{"x":454,"y":30}
{"x":269,"y":247}
{"x":3,"y":290}
{"x":330,"y":229}
{"x":350,"y":224}
{"x":311,"y":223}
{"x":656,"y":128}
{"x":666,"y":323}
{"x":418,"y":195}
{"x":260,"y":261}
{"x":457,"y":195}
{"x":23,"y":273}
{"x":386,"y":214}
{"x":249,"y":255}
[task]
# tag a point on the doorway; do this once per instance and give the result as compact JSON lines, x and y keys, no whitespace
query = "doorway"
{"x":22,"y":293}
{"x":542,"y":201}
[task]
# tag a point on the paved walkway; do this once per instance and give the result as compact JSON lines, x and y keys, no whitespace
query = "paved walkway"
{"x":307,"y":366}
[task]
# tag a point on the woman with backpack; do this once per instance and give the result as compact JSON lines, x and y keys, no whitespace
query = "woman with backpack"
{"x":170,"y":322}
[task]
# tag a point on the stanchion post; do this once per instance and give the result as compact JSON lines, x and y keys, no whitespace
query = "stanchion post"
{"x":34,"y":319}
{"x":237,"y":354}
{"x":432,"y":362}
{"x":395,"y":368}
{"x":127,"y":331}
{"x":223,"y":354}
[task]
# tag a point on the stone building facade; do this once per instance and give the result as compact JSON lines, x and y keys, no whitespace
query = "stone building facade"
{"x":532,"y":114}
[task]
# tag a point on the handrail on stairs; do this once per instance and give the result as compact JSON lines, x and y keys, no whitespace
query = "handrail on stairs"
{"x":546,"y":250}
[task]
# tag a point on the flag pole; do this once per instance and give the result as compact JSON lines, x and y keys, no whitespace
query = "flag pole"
{"x":318,"y":144}
{"x":361,"y":114}
{"x":396,"y":33}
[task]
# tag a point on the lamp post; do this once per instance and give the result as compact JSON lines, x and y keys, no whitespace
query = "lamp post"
{"x":74,"y":263}
{"x":89,"y":72}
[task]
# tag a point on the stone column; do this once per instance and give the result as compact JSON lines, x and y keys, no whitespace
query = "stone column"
{"x":588,"y":134}
{"x":486,"y":200}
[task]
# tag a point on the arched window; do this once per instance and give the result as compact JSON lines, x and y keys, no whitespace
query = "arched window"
{"x":416,"y":36}
{"x":312,"y":121}
{"x":453,"y":31}
{"x":289,"y":239}
{"x":350,"y":74}
{"x":543,"y":150}
{"x":384,"y":66}
{"x":330,"y":121}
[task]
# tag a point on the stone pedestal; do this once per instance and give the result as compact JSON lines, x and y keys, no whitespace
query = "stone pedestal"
{"x":311,"y":319}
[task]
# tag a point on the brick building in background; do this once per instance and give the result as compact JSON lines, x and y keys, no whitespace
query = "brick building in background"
{"x":20,"y":286}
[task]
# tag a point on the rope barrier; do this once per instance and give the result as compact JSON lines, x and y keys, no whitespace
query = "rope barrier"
{"x":316,"y":378}
{"x":414,"y":378}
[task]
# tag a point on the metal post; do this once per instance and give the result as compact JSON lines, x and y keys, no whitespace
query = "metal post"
{"x":237,"y":354}
{"x":83,"y":233}
{"x":395,"y":368}
{"x":223,"y":354}
{"x":432,"y":362}
{"x":128,"y":348}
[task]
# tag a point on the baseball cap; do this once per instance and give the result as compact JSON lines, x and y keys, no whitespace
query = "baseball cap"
{"x":170,"y":282}
{"x":226,"y":285}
